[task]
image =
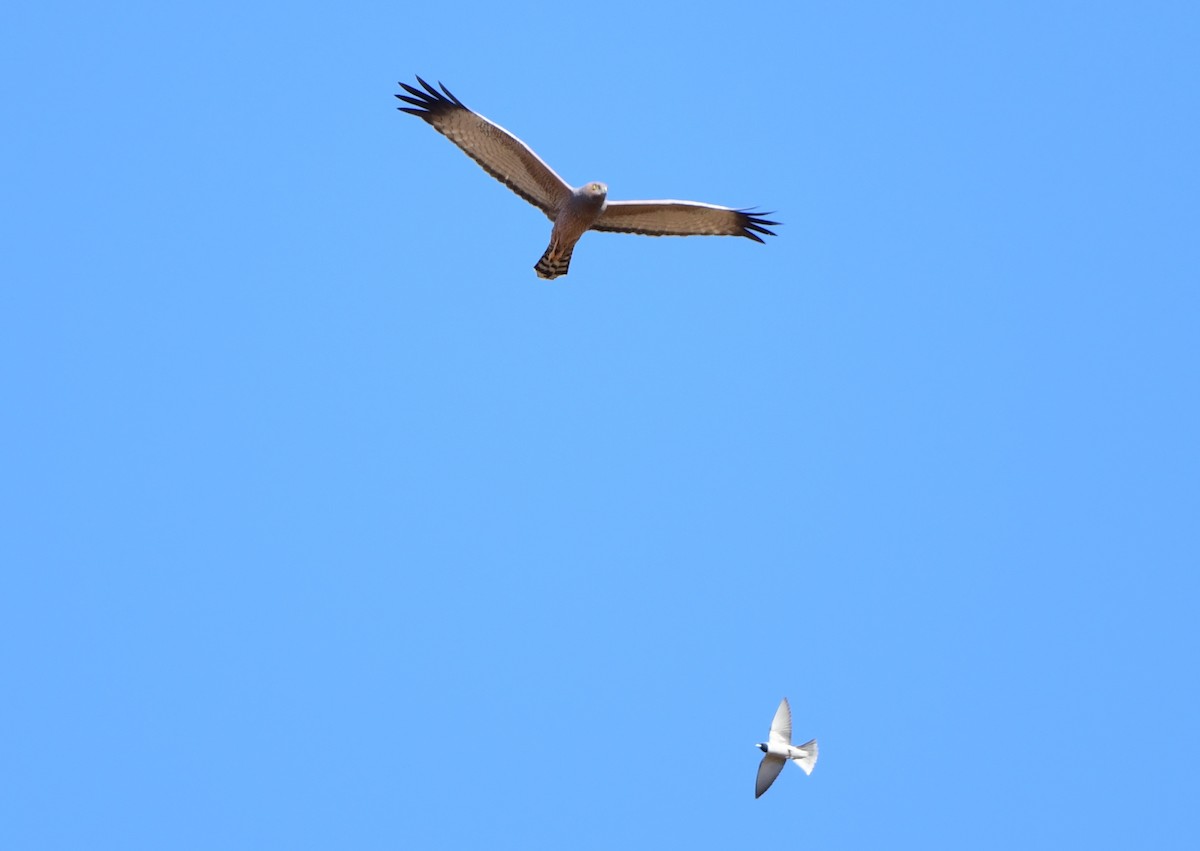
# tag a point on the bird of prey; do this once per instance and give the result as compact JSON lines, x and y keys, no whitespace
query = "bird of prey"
{"x":573,"y":210}
{"x":779,"y":749}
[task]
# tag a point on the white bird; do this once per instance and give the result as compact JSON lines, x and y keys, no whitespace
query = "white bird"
{"x":779,"y":749}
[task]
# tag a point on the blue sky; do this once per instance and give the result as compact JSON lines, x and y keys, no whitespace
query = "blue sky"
{"x":328,"y":524}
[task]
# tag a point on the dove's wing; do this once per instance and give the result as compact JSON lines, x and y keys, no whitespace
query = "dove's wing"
{"x":768,"y":770}
{"x":781,"y":727}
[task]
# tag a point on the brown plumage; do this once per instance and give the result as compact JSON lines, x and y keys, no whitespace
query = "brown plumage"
{"x":574,"y":211}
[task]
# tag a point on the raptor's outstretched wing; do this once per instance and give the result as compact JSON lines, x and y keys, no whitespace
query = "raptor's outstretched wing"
{"x":681,"y":218}
{"x":500,"y":153}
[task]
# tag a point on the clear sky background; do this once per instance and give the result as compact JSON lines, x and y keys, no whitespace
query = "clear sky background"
{"x":327,"y":524}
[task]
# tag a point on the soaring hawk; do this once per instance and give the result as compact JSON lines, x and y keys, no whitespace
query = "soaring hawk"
{"x":573,"y":210}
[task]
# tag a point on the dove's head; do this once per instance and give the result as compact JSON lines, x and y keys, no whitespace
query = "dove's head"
{"x":762,"y":746}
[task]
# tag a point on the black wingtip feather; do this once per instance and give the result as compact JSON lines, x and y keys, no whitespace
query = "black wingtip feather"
{"x":430,"y":100}
{"x":450,"y":95}
{"x":755,"y":224}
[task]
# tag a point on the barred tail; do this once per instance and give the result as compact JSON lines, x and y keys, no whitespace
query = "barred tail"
{"x":554,"y":264}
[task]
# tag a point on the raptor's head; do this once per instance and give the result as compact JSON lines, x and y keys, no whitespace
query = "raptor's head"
{"x":596,"y":189}
{"x":762,"y":746}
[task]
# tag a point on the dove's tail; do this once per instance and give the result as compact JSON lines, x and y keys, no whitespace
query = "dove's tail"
{"x":810,"y":756}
